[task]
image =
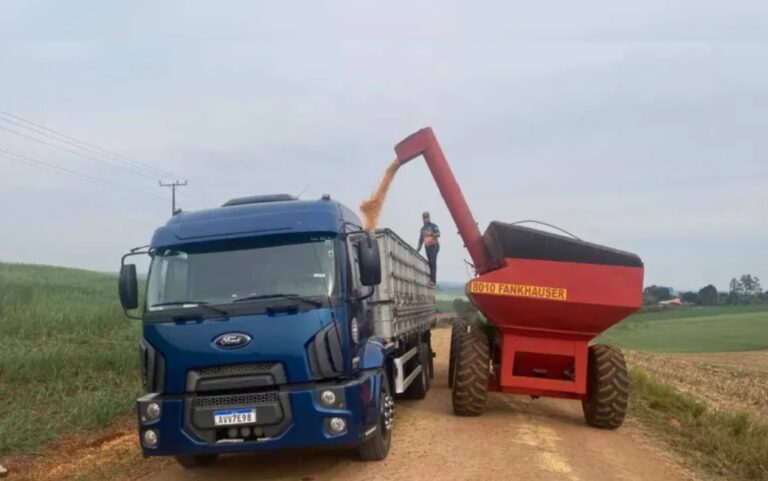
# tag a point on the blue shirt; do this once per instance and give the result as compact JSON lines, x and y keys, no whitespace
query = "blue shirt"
{"x":428,"y":229}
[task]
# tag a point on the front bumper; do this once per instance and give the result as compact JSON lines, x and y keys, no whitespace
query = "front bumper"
{"x":289,"y":417}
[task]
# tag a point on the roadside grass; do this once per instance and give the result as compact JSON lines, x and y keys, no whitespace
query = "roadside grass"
{"x":68,"y":361}
{"x":696,"y":329}
{"x":733,"y":444}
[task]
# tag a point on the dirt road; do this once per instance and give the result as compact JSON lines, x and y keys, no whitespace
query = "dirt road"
{"x":516,"y":439}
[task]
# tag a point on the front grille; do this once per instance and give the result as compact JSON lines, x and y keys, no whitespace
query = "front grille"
{"x":235,"y":369}
{"x":231,"y":377}
{"x":236,"y":399}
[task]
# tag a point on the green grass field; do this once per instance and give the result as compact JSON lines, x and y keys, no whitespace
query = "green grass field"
{"x":444,"y":298}
{"x":695,"y":329}
{"x":69,"y":358}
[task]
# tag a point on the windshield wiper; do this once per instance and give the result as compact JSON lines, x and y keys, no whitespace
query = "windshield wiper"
{"x":295,"y":297}
{"x":204,"y":304}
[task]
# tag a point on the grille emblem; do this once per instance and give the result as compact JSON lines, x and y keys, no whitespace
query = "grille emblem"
{"x":232,"y":340}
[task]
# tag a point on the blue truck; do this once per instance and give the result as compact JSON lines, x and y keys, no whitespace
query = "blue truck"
{"x":272,"y":323}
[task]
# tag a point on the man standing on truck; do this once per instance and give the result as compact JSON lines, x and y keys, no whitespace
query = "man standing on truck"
{"x":428,"y":237}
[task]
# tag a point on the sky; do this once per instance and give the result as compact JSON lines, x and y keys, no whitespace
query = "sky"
{"x":639,"y":125}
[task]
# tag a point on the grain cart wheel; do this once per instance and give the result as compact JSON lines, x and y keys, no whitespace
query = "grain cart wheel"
{"x":458,"y":328}
{"x":197,"y":461}
{"x":376,"y":447}
{"x":607,"y":387}
{"x":471,"y":372}
{"x":420,"y":385}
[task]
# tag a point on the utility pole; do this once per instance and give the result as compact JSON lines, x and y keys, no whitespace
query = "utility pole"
{"x":173,"y":186}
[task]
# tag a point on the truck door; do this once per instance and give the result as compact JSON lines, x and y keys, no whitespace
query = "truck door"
{"x":359,"y":295}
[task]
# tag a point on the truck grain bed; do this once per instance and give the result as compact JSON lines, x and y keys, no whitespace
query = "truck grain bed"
{"x":403,"y":302}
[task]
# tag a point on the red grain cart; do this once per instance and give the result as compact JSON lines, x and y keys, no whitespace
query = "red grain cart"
{"x":546,"y":297}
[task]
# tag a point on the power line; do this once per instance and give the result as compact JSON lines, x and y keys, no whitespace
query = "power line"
{"x":131,"y":165}
{"x":69,"y":140}
{"x":75,"y":152}
{"x":72,"y":173}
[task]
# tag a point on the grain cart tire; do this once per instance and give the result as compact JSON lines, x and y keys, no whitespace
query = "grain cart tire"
{"x":471,"y":372}
{"x":376,"y":447}
{"x":420,"y":385}
{"x":607,"y":387}
{"x":458,"y":328}
{"x":198,"y":461}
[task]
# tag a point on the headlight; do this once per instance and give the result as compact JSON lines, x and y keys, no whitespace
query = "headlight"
{"x":328,"y":398}
{"x":153,"y":411}
{"x":354,"y":331}
{"x":337,"y":425}
{"x":150,"y":438}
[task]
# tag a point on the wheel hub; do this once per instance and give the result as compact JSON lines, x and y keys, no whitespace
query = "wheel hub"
{"x":388,"y":412}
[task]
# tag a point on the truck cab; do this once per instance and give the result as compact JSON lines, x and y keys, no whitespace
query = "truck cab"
{"x":259,"y":332}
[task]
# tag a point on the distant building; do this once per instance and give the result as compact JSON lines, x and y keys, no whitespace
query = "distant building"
{"x":672,"y":302}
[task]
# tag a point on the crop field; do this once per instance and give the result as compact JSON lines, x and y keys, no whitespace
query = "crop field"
{"x":700,"y":377}
{"x":695,"y":329}
{"x":444,"y":297}
{"x":69,"y":358}
{"x":735,"y":381}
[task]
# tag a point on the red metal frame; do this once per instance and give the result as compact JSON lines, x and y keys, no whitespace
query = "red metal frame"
{"x":546,"y":312}
{"x":424,"y":143}
{"x":575,"y":351}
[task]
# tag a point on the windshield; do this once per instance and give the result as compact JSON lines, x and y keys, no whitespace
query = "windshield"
{"x":182,"y":277}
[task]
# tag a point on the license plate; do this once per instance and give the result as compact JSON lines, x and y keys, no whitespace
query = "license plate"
{"x":234,"y":417}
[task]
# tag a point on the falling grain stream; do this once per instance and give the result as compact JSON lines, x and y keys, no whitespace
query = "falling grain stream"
{"x":371,"y":207}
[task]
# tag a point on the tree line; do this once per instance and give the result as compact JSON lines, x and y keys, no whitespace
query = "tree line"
{"x":742,"y":290}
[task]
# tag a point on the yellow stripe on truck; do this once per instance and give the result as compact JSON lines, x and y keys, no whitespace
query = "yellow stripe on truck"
{"x":518,"y":290}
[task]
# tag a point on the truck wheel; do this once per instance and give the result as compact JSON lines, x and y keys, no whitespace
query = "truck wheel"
{"x":197,"y":461}
{"x":607,"y":387}
{"x":431,"y":360}
{"x":426,"y":362}
{"x":376,"y":447}
{"x":457,"y":329}
{"x":419,"y":387}
{"x":471,"y":372}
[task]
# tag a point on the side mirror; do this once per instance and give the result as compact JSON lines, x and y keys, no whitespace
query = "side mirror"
{"x":370,"y":261}
{"x":128,"y":287}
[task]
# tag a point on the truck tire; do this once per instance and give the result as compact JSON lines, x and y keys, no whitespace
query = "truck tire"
{"x":431,"y":360}
{"x":197,"y":461}
{"x":607,"y":387}
{"x":376,"y":447}
{"x":420,"y":385}
{"x":458,"y":328}
{"x":425,"y":353}
{"x":471,"y":372}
